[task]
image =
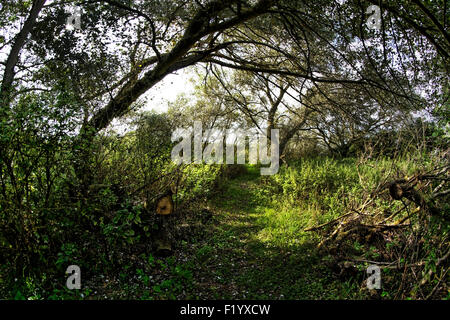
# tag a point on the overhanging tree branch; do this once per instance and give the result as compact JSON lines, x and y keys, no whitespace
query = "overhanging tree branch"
{"x":13,"y":57}
{"x":175,"y":59}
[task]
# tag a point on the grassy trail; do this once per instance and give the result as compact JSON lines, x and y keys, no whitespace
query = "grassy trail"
{"x":241,"y":258}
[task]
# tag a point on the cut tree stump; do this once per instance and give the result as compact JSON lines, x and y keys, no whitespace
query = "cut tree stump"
{"x":162,"y":240}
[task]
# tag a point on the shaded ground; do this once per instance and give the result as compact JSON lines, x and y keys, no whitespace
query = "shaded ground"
{"x":237,"y":254}
{"x":239,"y":257}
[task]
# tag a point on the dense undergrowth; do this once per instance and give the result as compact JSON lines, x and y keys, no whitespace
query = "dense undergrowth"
{"x":239,"y":235}
{"x":316,"y":199}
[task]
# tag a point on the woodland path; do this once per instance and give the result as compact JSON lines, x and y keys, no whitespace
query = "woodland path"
{"x":242,"y":258}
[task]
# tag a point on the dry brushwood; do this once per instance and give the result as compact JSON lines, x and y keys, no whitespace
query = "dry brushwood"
{"x":356,"y":221}
{"x":422,"y":196}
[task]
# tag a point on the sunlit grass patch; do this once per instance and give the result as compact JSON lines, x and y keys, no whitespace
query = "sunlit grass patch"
{"x":283,"y":228}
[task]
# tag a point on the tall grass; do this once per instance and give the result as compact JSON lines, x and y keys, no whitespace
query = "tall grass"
{"x":313,"y":191}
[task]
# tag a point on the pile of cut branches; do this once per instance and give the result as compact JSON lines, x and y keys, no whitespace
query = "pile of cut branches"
{"x":403,"y":227}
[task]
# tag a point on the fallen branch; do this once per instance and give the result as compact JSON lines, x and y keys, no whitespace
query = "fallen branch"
{"x":328,"y":223}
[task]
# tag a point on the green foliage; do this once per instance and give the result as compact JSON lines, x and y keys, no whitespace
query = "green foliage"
{"x":68,"y":202}
{"x":204,"y":252}
{"x":71,"y":193}
{"x":120,"y":230}
{"x":200,"y":180}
